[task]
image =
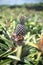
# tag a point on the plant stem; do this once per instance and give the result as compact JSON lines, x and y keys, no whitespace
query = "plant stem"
{"x":18,"y":54}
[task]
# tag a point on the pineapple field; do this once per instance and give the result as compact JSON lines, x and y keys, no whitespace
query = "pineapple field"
{"x":17,"y":45}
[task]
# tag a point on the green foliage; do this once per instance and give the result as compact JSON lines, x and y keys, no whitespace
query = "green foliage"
{"x":27,"y":54}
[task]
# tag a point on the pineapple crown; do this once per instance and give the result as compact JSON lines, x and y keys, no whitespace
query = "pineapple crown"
{"x":22,"y":20}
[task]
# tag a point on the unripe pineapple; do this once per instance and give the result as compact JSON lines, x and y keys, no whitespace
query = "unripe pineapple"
{"x":21,"y":29}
